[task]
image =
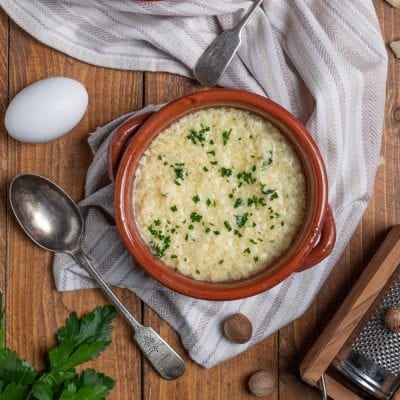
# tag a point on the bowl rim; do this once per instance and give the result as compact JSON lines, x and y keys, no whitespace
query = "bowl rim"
{"x":278,"y":270}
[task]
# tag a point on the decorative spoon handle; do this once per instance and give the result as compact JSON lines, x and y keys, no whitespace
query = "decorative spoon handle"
{"x":157,"y":351}
{"x":215,"y":60}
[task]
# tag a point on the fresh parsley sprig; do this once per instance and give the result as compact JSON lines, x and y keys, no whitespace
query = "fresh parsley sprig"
{"x":80,"y":340}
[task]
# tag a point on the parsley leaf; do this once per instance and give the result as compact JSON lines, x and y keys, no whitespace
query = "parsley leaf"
{"x":238,"y":203}
{"x":82,"y":340}
{"x":16,"y":375}
{"x":246,"y":177}
{"x":241,"y":219}
{"x":79,"y":340}
{"x":225,"y":136}
{"x":198,"y":136}
{"x":227,"y":225}
{"x":225,"y":171}
{"x":196,"y":198}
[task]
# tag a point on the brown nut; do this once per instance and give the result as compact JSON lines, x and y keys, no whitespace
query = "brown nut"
{"x":262,"y":383}
{"x":392,"y":319}
{"x":238,"y":328}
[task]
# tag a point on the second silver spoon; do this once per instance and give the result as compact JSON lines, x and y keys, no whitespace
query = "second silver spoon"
{"x":215,"y":60}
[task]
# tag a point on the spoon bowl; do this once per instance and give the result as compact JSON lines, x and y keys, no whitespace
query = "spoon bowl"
{"x":46,"y":213}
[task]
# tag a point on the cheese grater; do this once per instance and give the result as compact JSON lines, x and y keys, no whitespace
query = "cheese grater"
{"x":371,"y":358}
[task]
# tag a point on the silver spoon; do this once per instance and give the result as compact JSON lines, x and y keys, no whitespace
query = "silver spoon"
{"x":215,"y":60}
{"x":53,"y":221}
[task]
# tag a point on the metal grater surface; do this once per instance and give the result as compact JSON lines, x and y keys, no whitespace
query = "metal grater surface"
{"x":375,"y":341}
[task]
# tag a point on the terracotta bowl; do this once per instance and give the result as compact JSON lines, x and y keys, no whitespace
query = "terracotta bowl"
{"x":313,"y":242}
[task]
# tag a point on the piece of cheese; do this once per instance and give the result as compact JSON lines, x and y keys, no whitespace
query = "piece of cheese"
{"x":395,"y":46}
{"x":394,"y":3}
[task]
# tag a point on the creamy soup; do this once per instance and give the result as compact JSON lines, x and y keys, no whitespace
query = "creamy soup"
{"x":219,"y":194}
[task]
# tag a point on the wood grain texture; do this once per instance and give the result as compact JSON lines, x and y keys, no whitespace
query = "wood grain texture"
{"x":35,"y":309}
{"x":4,"y":34}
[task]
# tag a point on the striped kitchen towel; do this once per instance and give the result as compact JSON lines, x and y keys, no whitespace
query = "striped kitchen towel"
{"x":324,"y":60}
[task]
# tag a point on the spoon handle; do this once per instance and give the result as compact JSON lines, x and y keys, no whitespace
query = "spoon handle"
{"x":156,"y":350}
{"x":215,"y":60}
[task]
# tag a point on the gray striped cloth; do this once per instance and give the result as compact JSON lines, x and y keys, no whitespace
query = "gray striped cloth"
{"x":324,"y":60}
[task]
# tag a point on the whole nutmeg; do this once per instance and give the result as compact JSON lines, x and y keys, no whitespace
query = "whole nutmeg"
{"x":262,"y":383}
{"x":392,"y":319}
{"x":238,"y":328}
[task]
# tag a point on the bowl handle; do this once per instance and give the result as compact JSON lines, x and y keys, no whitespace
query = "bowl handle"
{"x":120,"y":139}
{"x":325,"y":244}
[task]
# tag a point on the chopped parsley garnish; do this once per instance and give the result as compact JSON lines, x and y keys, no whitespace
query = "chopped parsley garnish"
{"x":174,"y":256}
{"x":212,"y":152}
{"x":241,"y":219}
{"x":195,"y":217}
{"x":246,"y":177}
{"x":211,"y":141}
{"x":198,"y":136}
{"x":255,"y":259}
{"x":246,"y":251}
{"x":217,"y":232}
{"x":225,"y":136}
{"x":187,"y":237}
{"x":163,"y":240}
{"x":228,"y":225}
{"x":177,"y":183}
{"x":272,"y":227}
{"x":253,"y":241}
{"x":272,"y":193}
{"x":159,"y":250}
{"x":191,"y":227}
{"x":256,"y":201}
{"x":253,"y":224}
{"x":213,"y":162}
{"x":254,"y":169}
{"x":160,"y":157}
{"x":197,"y":271}
{"x":225,"y":171}
{"x":196,"y":198}
{"x":208,"y":230}
{"x":205,"y":169}
{"x":268,"y":161}
{"x":282,"y":223}
{"x":211,"y":203}
{"x":237,"y":233}
{"x":238,"y":203}
{"x":174,"y":208}
{"x":221,"y":262}
{"x":179,"y":174}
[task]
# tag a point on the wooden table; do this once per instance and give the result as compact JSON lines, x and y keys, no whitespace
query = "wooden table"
{"x":34,"y":309}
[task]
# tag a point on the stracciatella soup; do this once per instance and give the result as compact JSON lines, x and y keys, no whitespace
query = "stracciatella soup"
{"x":219,"y":194}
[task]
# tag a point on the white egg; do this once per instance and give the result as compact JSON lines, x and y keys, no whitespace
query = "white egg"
{"x":46,"y":110}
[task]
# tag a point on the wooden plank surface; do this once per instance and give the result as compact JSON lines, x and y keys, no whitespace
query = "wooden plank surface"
{"x":35,"y":309}
{"x":4,"y":34}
